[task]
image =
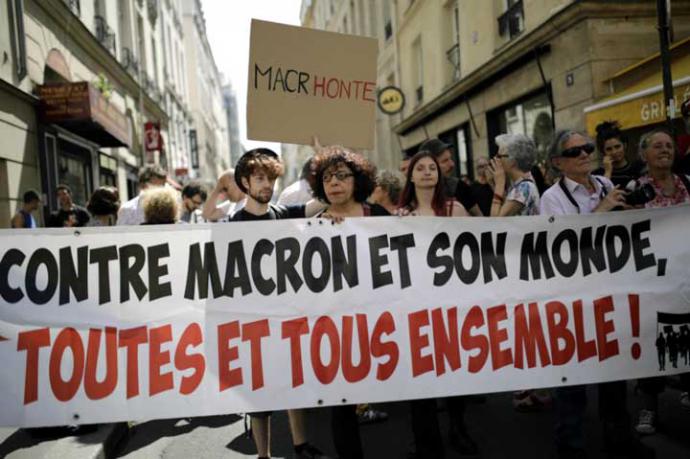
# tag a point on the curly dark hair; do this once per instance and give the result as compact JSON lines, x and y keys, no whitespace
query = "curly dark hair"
{"x":364,"y":172}
{"x":105,"y":200}
{"x":608,"y":130}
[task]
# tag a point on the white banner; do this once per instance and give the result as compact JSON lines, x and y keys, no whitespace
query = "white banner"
{"x":127,"y":323}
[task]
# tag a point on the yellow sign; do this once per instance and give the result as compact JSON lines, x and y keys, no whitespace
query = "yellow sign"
{"x":391,"y":100}
{"x":641,"y":111}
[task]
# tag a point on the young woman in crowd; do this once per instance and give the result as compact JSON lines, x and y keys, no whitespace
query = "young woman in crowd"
{"x":657,"y":150}
{"x":103,"y":206}
{"x":423,"y":195}
{"x":513,"y":162}
{"x":612,"y":144}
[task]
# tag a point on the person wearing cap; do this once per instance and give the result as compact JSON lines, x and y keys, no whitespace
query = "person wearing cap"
{"x":255,"y":175}
{"x":454,"y":187}
{"x":577,"y":191}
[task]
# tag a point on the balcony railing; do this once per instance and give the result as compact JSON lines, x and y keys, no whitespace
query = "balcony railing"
{"x":104,"y":34}
{"x":453,"y":55}
{"x":511,"y":22}
{"x":74,"y":6}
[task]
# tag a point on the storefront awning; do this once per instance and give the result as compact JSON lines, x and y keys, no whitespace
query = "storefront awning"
{"x":82,"y":109}
{"x":638,"y":93}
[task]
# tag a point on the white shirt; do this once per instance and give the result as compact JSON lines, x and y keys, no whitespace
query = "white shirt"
{"x":295,"y":194}
{"x":555,"y":202}
{"x":131,"y":213}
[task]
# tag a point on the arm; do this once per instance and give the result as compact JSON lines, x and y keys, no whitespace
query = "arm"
{"x":458,"y":210}
{"x":313,"y":207}
{"x":508,"y":209}
{"x":210,"y":210}
{"x":18,"y":221}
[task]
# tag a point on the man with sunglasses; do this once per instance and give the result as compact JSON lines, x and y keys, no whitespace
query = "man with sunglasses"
{"x":577,"y":191}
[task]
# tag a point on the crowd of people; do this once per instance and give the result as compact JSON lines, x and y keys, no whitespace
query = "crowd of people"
{"x":337,"y":183}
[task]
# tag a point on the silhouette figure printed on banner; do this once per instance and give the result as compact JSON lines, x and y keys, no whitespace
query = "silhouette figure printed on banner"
{"x":661,"y":351}
{"x":673,"y":342}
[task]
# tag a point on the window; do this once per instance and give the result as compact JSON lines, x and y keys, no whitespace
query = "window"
{"x":387,"y":21}
{"x":418,"y":72}
{"x":453,"y":53}
{"x":531,"y":116}
{"x":108,"y":170}
{"x":511,"y":23}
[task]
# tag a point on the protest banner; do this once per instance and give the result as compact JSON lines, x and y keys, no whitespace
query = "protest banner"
{"x":127,"y":323}
{"x":304,"y":83}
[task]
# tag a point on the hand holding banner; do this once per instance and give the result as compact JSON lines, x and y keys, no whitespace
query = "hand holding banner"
{"x":176,"y":320}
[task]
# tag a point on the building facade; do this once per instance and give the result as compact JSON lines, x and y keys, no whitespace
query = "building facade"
{"x":470,"y":70}
{"x":230,"y":106}
{"x":91,"y":90}
{"x":373,"y":19}
{"x":519,"y":66}
{"x":80,"y":83}
{"x":209,"y":133}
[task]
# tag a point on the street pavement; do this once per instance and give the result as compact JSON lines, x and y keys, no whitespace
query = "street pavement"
{"x":499,"y":431}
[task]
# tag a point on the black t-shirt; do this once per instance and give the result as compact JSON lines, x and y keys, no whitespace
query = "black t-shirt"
{"x":60,"y":218}
{"x":454,"y":187}
{"x":624,"y":175}
{"x":275,"y":212}
{"x":483,"y":195}
{"x":377,"y":211}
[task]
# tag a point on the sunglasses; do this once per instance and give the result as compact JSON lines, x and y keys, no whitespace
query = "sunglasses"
{"x":574,"y":152}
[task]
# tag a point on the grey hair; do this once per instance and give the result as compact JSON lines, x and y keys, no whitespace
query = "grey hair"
{"x":520,"y":149}
{"x":391,"y":183}
{"x":647,"y":138}
{"x":557,"y":145}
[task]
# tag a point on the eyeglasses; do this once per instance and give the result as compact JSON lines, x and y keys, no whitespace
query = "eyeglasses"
{"x":341,"y":176}
{"x":574,"y":152}
{"x":501,"y":155}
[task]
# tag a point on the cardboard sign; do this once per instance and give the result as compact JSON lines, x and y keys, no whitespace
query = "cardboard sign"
{"x":305,"y":83}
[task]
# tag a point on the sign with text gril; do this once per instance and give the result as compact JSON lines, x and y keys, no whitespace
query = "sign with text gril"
{"x":113,"y":324}
{"x":305,"y":83}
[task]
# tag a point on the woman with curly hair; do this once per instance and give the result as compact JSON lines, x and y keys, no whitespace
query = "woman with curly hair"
{"x":344,"y":180}
{"x":423,"y":192}
{"x":161,"y":206}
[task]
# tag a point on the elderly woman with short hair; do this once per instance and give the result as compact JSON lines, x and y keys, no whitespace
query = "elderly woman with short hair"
{"x":516,"y":155}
